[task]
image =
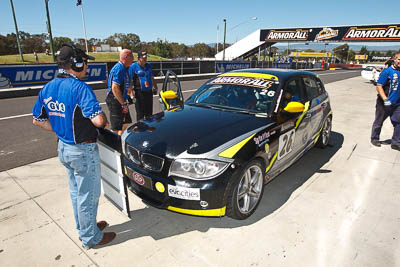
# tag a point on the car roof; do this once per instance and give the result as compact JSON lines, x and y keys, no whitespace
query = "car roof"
{"x":282,"y":74}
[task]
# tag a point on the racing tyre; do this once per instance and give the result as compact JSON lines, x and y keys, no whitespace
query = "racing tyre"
{"x":246,"y":192}
{"x":323,"y":139}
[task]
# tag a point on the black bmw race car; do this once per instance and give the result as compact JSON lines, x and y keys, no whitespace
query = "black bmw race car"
{"x":213,"y":154}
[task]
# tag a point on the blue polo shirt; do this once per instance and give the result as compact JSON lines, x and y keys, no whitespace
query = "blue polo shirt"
{"x":69,"y":104}
{"x":394,"y":94}
{"x":143,"y":74}
{"x":119,"y":75}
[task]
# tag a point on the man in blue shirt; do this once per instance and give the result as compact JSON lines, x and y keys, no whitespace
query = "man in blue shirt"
{"x":144,"y":84}
{"x":391,"y":102}
{"x":69,"y":107}
{"x":118,"y":91}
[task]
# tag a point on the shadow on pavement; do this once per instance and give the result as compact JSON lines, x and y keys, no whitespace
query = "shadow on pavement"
{"x":160,"y":224}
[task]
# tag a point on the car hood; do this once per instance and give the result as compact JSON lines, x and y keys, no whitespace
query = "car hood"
{"x":193,"y":129}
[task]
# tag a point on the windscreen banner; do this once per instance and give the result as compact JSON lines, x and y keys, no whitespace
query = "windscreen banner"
{"x":32,"y":75}
{"x":364,"y":33}
{"x":228,"y":66}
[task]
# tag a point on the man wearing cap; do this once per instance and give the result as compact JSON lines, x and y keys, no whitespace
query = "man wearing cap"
{"x":69,"y":107}
{"x":118,"y":91}
{"x":141,"y":74}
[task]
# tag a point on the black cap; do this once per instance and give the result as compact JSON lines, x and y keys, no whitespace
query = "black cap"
{"x":67,"y":52}
{"x":142,"y":54}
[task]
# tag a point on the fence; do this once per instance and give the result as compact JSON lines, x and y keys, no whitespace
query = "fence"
{"x":201,"y":67}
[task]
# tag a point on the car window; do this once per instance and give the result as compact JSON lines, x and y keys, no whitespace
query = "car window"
{"x":312,"y":89}
{"x":233,"y":94}
{"x":294,"y":92}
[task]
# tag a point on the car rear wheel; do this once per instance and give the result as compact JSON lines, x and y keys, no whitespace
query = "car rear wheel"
{"x":246,"y":192}
{"x":323,"y":139}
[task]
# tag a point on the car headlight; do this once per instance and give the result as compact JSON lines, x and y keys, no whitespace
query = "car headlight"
{"x":198,"y":169}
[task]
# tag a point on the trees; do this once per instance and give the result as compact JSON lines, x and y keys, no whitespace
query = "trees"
{"x":201,"y":50}
{"x":162,"y":49}
{"x":58,"y":41}
{"x":178,"y":50}
{"x":130,"y":41}
{"x":341,"y":51}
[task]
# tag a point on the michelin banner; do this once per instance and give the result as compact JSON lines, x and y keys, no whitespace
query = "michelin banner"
{"x":364,"y":33}
{"x":228,"y":66}
{"x":32,"y":75}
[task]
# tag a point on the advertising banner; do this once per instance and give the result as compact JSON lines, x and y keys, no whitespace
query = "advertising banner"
{"x":31,"y":75}
{"x":361,"y":57}
{"x":310,"y":54}
{"x":364,"y":33}
{"x":228,"y":66}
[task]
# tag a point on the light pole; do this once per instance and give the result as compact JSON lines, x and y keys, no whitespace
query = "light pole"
{"x":217,"y":37}
{"x":79,"y":3}
{"x":17,"y":32}
{"x":49,"y":29}
{"x":223,"y":53}
{"x":243,"y":22}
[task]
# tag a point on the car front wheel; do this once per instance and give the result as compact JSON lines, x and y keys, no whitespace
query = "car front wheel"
{"x":246,"y":192}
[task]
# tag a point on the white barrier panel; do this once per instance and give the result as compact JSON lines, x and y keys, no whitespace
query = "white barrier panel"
{"x":112,"y":179}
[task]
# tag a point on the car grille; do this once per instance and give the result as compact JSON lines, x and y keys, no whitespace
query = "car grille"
{"x":146,"y":160}
{"x":133,"y":154}
{"x":152,"y":162}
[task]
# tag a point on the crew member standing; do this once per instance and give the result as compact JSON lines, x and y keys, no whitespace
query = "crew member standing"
{"x":392,"y":103}
{"x":388,"y":80}
{"x":69,"y":107}
{"x":118,"y":91}
{"x":144,"y":86}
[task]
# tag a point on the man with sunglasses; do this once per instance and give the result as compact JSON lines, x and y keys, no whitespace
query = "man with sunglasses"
{"x":69,"y":107}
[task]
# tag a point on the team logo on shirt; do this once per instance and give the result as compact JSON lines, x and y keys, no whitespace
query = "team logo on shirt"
{"x":56,"y":108}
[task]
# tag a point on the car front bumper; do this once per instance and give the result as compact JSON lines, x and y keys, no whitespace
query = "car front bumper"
{"x":182,"y":195}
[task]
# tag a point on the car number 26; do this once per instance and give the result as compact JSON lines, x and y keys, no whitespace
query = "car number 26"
{"x":286,"y":143}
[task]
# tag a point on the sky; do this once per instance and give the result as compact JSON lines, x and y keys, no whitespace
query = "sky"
{"x":189,"y":22}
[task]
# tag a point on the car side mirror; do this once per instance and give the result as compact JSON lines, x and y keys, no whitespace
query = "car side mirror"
{"x":294,"y":107}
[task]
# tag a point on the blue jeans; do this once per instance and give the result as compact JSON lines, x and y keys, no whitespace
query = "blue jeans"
{"x":395,"y":118}
{"x":83,"y":167}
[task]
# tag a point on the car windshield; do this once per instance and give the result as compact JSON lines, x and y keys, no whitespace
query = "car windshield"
{"x":240,"y":94}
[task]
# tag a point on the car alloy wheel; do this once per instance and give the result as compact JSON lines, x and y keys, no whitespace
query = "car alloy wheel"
{"x":247,"y":191}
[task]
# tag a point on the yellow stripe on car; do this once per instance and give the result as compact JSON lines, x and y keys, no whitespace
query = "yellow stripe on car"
{"x":230,"y":152}
{"x":272,"y":162}
{"x":306,"y":107}
{"x":250,"y":75}
{"x":212,"y":212}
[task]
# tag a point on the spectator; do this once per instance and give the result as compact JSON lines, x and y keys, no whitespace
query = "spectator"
{"x":36,"y":57}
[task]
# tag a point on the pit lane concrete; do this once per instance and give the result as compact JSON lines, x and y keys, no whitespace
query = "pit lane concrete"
{"x":334,"y":207}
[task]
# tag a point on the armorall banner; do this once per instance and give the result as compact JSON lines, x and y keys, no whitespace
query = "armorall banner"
{"x":364,"y":33}
{"x":31,"y":75}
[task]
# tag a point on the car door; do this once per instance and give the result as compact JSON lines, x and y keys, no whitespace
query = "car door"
{"x":292,"y":125}
{"x":171,"y":96}
{"x":317,"y":98}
